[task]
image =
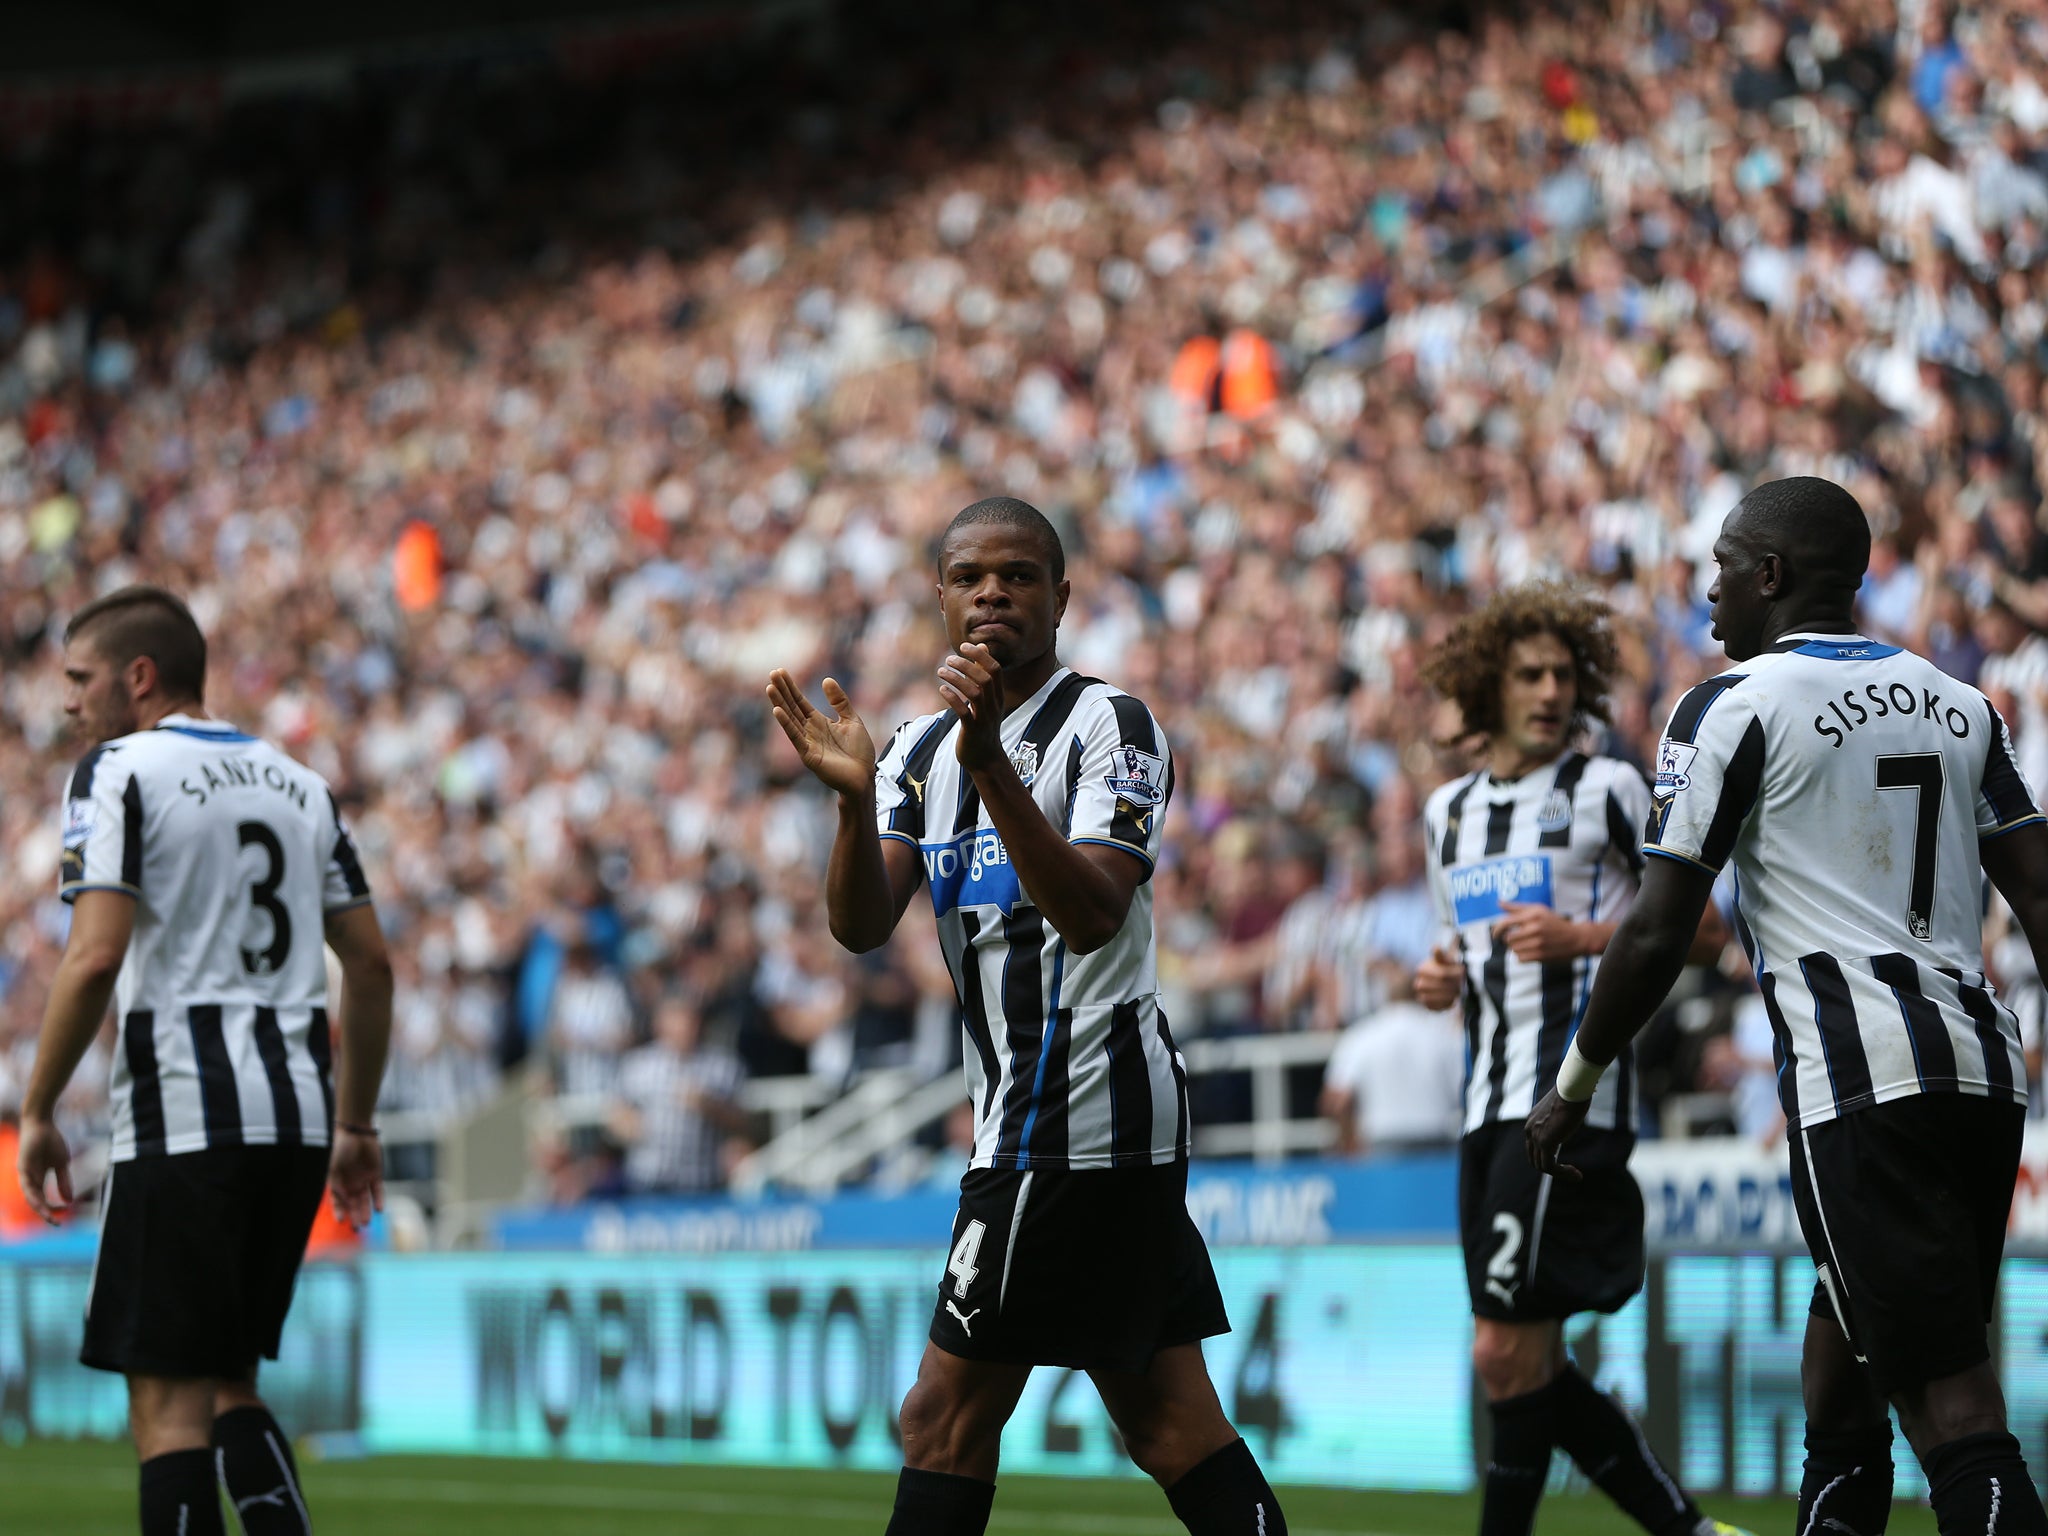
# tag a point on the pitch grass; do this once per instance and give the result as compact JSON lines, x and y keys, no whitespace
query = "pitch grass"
{"x":51,"y":1489}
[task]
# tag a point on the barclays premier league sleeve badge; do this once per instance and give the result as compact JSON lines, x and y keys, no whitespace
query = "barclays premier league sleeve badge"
{"x":78,"y":822}
{"x":1674,"y":768}
{"x":1137,"y":776}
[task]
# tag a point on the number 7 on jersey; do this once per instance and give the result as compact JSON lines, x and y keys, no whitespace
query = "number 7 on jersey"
{"x":1925,"y":774}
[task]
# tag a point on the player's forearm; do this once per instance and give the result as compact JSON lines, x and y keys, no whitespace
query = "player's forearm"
{"x":79,"y":994}
{"x":365,"y":1040}
{"x":1082,"y":904}
{"x":2031,"y":913}
{"x":860,"y":907}
{"x":1642,"y":961}
{"x":2017,"y":862}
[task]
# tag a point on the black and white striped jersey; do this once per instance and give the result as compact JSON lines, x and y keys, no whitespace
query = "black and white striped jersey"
{"x":1069,"y":1059}
{"x":1565,"y":836}
{"x":1851,"y":782}
{"x":235,"y":854}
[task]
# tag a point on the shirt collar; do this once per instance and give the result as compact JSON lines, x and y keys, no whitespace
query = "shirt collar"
{"x":1792,"y":642}
{"x":1547,"y":774}
{"x":1024,"y":713}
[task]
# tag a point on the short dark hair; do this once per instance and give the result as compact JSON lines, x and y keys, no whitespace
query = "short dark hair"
{"x":147,"y":621}
{"x":1009,"y":512}
{"x":1469,"y":665}
{"x":1816,"y":524}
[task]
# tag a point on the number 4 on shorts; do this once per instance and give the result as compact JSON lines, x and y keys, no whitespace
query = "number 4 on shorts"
{"x":961,"y":1265}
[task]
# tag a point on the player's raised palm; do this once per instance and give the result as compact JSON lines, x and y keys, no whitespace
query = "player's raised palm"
{"x":835,"y":747}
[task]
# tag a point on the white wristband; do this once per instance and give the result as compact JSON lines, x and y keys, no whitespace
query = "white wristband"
{"x":1577,"y":1077}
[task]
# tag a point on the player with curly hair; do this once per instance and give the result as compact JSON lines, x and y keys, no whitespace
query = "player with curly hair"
{"x":1533,"y":859}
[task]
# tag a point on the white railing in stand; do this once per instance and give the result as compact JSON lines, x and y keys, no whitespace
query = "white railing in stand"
{"x":824,"y":1135}
{"x":886,"y":1112}
{"x":1270,"y":1136}
{"x":893,"y":1126}
{"x":784,"y":1101}
{"x":786,"y":1158}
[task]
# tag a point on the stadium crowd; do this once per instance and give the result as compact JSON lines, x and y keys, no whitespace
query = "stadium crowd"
{"x":504,"y":434}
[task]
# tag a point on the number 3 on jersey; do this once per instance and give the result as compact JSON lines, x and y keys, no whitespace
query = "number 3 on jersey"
{"x":961,"y":1266}
{"x":263,"y":894}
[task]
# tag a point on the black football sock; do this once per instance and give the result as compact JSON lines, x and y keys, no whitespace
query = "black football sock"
{"x":257,"y":1468}
{"x":1980,"y":1487}
{"x":178,"y":1495}
{"x":1226,"y":1495}
{"x":1519,"y":1465}
{"x":1848,"y":1481}
{"x":1609,"y":1447}
{"x":940,"y":1504}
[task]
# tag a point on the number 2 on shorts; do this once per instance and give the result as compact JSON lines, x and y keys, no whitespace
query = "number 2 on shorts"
{"x":961,"y":1265}
{"x":1501,"y":1266}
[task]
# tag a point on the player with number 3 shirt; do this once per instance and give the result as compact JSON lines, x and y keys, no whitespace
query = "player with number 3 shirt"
{"x":207,"y":874}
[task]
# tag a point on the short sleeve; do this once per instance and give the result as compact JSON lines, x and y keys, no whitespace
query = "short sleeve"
{"x":2004,"y":798}
{"x":900,"y":776}
{"x":1433,"y":862}
{"x":1709,"y":771}
{"x":1123,"y":780}
{"x":102,"y":845}
{"x":344,"y":885}
{"x":1628,"y":813}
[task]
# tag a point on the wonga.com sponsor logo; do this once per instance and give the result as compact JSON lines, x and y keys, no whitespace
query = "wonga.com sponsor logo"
{"x":973,"y":870}
{"x":1478,"y":890}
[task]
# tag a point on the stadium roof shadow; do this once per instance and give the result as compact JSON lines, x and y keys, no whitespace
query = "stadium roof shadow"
{"x":537,"y":126}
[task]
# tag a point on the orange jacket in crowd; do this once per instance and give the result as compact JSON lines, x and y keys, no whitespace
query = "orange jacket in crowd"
{"x":1237,"y":376}
{"x":331,"y":1237}
{"x":16,"y":1219}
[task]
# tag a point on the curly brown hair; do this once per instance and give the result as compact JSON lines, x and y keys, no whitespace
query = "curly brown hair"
{"x":1467,"y":668}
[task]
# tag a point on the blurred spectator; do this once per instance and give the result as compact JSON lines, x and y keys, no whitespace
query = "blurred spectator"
{"x":1396,"y":1082}
{"x":1740,"y":1064}
{"x":590,"y":1023}
{"x":676,"y":1111}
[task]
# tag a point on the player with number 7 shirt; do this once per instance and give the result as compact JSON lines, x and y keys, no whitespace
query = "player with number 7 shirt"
{"x":1030,"y":807}
{"x":1859,"y":796}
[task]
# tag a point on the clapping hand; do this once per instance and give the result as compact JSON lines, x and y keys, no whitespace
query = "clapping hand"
{"x":835,"y":747}
{"x":971,"y":682}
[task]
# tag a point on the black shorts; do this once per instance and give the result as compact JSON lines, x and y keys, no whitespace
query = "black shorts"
{"x":1098,"y":1269}
{"x":1904,"y":1207}
{"x":198,"y":1255}
{"x":1538,"y":1246}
